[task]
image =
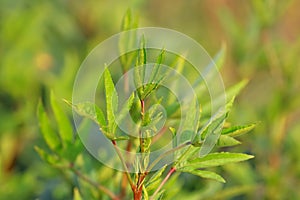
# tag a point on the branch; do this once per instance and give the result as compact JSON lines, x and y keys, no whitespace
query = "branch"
{"x":172,"y":170}
{"x":93,"y":183}
{"x":123,"y":163}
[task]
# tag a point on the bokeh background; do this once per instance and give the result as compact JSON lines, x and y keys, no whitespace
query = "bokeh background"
{"x":42,"y":44}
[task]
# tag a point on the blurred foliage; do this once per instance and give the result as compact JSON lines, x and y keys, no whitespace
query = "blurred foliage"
{"x":42,"y":44}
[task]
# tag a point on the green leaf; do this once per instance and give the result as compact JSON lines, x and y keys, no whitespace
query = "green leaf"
{"x":128,"y":23}
{"x":77,"y":195}
{"x":72,"y":151}
{"x":127,"y":40}
{"x":203,"y":174}
{"x":126,"y":108}
{"x":238,"y":130}
{"x":236,"y":89}
{"x":146,"y":195}
{"x":217,"y":159}
{"x":89,"y":110}
{"x":190,"y":123}
{"x":50,"y":159}
{"x":210,"y":132}
{"x":139,"y":69}
{"x":111,"y":101}
{"x":219,"y":58}
{"x":64,"y":126}
{"x":49,"y":135}
{"x":156,"y":67}
{"x":227,"y":141}
{"x":156,"y":176}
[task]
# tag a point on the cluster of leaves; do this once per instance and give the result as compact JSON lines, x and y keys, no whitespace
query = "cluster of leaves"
{"x":144,"y":183}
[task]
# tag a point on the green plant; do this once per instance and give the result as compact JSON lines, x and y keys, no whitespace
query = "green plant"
{"x":68,"y":154}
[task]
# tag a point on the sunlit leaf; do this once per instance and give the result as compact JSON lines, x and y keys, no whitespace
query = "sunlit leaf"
{"x":238,"y":130}
{"x":203,"y":174}
{"x":111,"y":101}
{"x":227,"y":141}
{"x":217,"y":159}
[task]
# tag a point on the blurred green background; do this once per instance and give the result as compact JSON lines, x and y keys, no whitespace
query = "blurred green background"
{"x":42,"y":44}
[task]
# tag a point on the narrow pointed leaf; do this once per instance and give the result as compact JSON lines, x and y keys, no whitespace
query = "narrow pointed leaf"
{"x":156,"y":67}
{"x":217,"y":159}
{"x":50,"y":137}
{"x":89,"y":110}
{"x":203,"y":174}
{"x":111,"y":101}
{"x":227,"y":141}
{"x":50,"y":159}
{"x":139,"y":69}
{"x":238,"y":130}
{"x":156,"y":176}
{"x":77,"y":195}
{"x":64,"y":126}
{"x":126,"y":108}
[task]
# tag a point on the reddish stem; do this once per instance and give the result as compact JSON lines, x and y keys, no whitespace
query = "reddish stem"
{"x":172,"y":170}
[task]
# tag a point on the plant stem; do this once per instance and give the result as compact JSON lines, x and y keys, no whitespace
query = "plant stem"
{"x":93,"y":183}
{"x":172,"y":170}
{"x":123,"y":163}
{"x":141,"y":175}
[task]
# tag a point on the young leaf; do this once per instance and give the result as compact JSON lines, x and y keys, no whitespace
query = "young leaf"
{"x":238,"y":130}
{"x":217,"y":159}
{"x":156,"y":67}
{"x":89,"y":110}
{"x":219,"y":58}
{"x":227,"y":141}
{"x":203,"y":174}
{"x":127,"y":39}
{"x":126,"y":108}
{"x":236,"y":89}
{"x":156,"y":176}
{"x":49,"y":135}
{"x":146,"y":195}
{"x":111,"y":101}
{"x":190,"y":123}
{"x":64,"y":126}
{"x":50,"y":159}
{"x":77,"y":195}
{"x":212,"y":130}
{"x":139,"y":69}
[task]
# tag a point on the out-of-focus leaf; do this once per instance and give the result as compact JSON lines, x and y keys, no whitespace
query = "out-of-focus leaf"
{"x":77,"y":195}
{"x":203,"y":174}
{"x":50,"y":159}
{"x":217,"y":159}
{"x":127,"y":39}
{"x":234,"y":90}
{"x":238,"y":130}
{"x":49,"y":134}
{"x":227,"y":141}
{"x":219,"y":58}
{"x":146,"y":195}
{"x":64,"y":126}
